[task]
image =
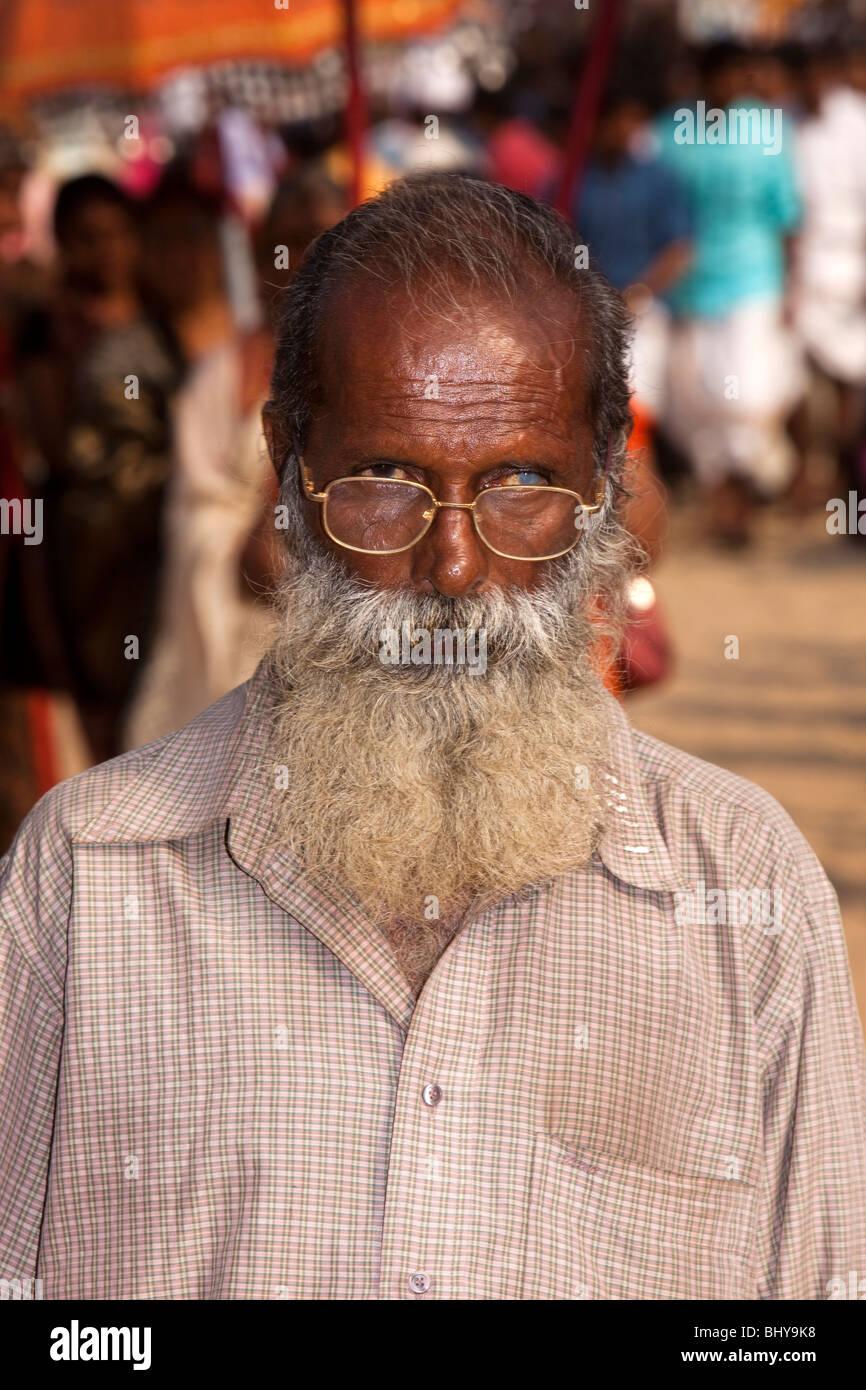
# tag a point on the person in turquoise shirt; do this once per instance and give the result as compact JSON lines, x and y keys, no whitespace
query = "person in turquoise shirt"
{"x":735,"y":369}
{"x":743,"y":196}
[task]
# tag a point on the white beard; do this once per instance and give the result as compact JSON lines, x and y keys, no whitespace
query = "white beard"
{"x":422,"y":790}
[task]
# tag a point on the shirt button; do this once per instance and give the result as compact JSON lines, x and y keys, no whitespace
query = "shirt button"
{"x":419,"y":1283}
{"x":431,"y":1095}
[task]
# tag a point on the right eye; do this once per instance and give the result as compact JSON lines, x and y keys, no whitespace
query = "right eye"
{"x":391,"y":471}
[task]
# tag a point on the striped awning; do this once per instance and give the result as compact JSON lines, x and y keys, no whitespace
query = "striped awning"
{"x":48,"y":46}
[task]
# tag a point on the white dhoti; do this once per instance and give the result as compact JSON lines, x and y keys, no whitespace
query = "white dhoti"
{"x":732,"y":382}
{"x":648,"y":364}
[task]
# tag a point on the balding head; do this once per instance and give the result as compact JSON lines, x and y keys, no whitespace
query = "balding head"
{"x":441,"y":238}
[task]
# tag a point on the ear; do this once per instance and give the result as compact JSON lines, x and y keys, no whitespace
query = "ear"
{"x":278,"y":445}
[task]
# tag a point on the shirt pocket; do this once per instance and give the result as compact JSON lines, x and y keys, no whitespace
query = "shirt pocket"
{"x":604,"y":1229}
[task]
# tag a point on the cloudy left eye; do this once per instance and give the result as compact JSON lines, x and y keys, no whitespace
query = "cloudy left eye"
{"x":522,"y":477}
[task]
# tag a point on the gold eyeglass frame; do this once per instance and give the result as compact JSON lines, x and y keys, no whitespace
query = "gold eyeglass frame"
{"x":431,"y":513}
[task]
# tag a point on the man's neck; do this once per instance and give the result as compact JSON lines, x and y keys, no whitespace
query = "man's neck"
{"x":418,"y":945}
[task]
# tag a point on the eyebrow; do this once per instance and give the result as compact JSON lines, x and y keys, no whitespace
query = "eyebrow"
{"x":533,"y":465}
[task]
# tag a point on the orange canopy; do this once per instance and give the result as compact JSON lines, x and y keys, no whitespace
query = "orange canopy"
{"x":49,"y":45}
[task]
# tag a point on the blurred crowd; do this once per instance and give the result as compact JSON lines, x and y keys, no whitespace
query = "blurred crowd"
{"x":134,"y":362}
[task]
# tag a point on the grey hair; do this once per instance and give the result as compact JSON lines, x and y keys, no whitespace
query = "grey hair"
{"x":435,"y":230}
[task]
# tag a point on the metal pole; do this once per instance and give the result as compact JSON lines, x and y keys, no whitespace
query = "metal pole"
{"x":356,"y":105}
{"x":587,"y":98}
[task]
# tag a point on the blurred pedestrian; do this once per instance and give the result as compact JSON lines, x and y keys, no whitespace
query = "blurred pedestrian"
{"x":39,"y":742}
{"x":634,"y":217}
{"x":220,"y":536}
{"x":94,"y":377}
{"x":734,"y":370}
{"x":305,"y":204}
{"x":829,"y":284}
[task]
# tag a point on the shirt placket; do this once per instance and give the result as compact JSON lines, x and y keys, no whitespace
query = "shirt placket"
{"x":420,"y":1188}
{"x":433,"y":1111}
{"x":444,"y":1235}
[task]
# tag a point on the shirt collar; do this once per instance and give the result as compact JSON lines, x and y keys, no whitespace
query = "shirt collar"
{"x":632,"y":846}
{"x":180,"y":784}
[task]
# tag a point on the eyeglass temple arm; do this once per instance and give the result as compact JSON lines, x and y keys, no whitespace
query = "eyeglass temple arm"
{"x":602,"y":482}
{"x":308,"y":484}
{"x":306,"y":481}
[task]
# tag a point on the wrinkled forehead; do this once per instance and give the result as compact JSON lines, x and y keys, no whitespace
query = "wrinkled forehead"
{"x":376,"y":341}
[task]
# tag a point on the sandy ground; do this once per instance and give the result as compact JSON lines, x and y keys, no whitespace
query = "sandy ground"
{"x":790,"y":712}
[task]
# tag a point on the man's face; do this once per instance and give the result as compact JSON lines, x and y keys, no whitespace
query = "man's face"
{"x":182,"y":261}
{"x":294,"y":228}
{"x":100,"y":248}
{"x":495,"y":395}
{"x":617,"y":129}
{"x":727,"y":84}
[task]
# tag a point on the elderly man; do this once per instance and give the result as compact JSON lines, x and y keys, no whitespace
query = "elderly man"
{"x":409,"y":970}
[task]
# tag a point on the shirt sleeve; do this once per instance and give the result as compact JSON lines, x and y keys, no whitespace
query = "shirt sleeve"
{"x":812,"y":1198}
{"x":35,"y":888}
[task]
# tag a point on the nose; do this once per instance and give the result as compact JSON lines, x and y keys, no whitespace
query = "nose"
{"x":451,"y":556}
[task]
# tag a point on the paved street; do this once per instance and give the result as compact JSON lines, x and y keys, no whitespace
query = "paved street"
{"x":790,"y":713}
